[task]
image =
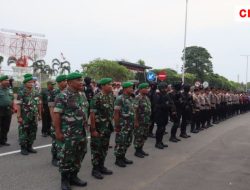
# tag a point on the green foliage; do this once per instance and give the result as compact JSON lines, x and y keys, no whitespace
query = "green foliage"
{"x":39,"y":66}
{"x":190,"y":78}
{"x":172,"y":75}
{"x":141,"y":62}
{"x":219,"y":81}
{"x":140,"y":77}
{"x":100,"y":68}
{"x":61,"y":67}
{"x":198,"y":62}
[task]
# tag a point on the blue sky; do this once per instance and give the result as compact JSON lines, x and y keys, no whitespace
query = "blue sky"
{"x":152,"y":30}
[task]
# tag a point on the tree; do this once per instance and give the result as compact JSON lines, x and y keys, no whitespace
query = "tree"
{"x":61,"y":67}
{"x":198,"y":62}
{"x":100,"y":68}
{"x":140,"y":76}
{"x":40,"y":66}
{"x":11,"y":60}
{"x":141,"y":62}
{"x":172,"y":75}
{"x":1,"y":60}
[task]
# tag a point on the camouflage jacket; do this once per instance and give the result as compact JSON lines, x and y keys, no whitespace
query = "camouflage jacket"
{"x":51,"y":97}
{"x":125,"y":105}
{"x":71,"y":105}
{"x":6,"y":97}
{"x":143,"y":109}
{"x":103,"y":107}
{"x":29,"y":101}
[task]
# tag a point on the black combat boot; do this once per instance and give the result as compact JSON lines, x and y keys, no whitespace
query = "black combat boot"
{"x":65,"y":185}
{"x":143,"y":153}
{"x":138,"y":153}
{"x":184,"y":135}
{"x":119,"y":162}
{"x":30,"y":149}
{"x":96,"y":172}
{"x":105,"y":170}
{"x":177,"y":138}
{"x":55,"y":161}
{"x":172,"y":139}
{"x":159,"y":146}
{"x":24,"y":150}
{"x":126,"y":161}
{"x":164,"y":145}
{"x":74,"y":180}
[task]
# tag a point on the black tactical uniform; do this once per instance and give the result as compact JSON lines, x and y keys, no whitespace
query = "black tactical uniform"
{"x":175,"y":95}
{"x":186,"y":105}
{"x":151,"y":95}
{"x":163,"y":105}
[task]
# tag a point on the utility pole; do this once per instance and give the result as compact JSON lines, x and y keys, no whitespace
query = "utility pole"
{"x":246,"y":70}
{"x":185,"y":40}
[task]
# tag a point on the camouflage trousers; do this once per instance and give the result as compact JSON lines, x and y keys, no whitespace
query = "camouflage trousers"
{"x":99,"y":149}
{"x":53,"y":144}
{"x":27,"y":132}
{"x":71,"y":153}
{"x":123,"y":140}
{"x":140,"y":135}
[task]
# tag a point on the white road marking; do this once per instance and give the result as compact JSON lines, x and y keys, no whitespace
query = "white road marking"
{"x":17,"y":151}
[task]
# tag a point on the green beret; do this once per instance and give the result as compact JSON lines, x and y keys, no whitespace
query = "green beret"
{"x":27,"y":75}
{"x":73,"y":76}
{"x":27,"y":79}
{"x":127,"y":84}
{"x":61,"y":78}
{"x":4,"y":77}
{"x":143,"y":85}
{"x":104,"y":81}
{"x":51,"y":82}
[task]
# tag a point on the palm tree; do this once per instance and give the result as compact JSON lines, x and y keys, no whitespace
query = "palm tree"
{"x":11,"y":60}
{"x":1,"y":60}
{"x":61,"y":66}
{"x":38,"y":66}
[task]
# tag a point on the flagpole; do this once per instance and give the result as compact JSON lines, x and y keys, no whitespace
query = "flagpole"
{"x":185,"y":40}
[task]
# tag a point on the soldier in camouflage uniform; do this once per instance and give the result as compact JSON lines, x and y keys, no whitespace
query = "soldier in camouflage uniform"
{"x":70,"y":122}
{"x":62,"y":84}
{"x":6,"y":109}
{"x":28,"y":111}
{"x":124,"y":123}
{"x":142,"y":121}
{"x":101,"y":116}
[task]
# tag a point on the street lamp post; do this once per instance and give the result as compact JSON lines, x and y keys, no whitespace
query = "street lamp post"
{"x":185,"y":39}
{"x":246,"y":70}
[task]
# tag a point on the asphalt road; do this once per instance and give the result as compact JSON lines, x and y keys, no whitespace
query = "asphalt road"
{"x":217,"y":158}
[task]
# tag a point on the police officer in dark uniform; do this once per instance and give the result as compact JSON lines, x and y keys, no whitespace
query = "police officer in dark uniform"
{"x":151,"y":95}
{"x":46,"y":118}
{"x":186,"y":105}
{"x":163,"y":105}
{"x":6,"y":109}
{"x":88,"y":90}
{"x":175,"y":95}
